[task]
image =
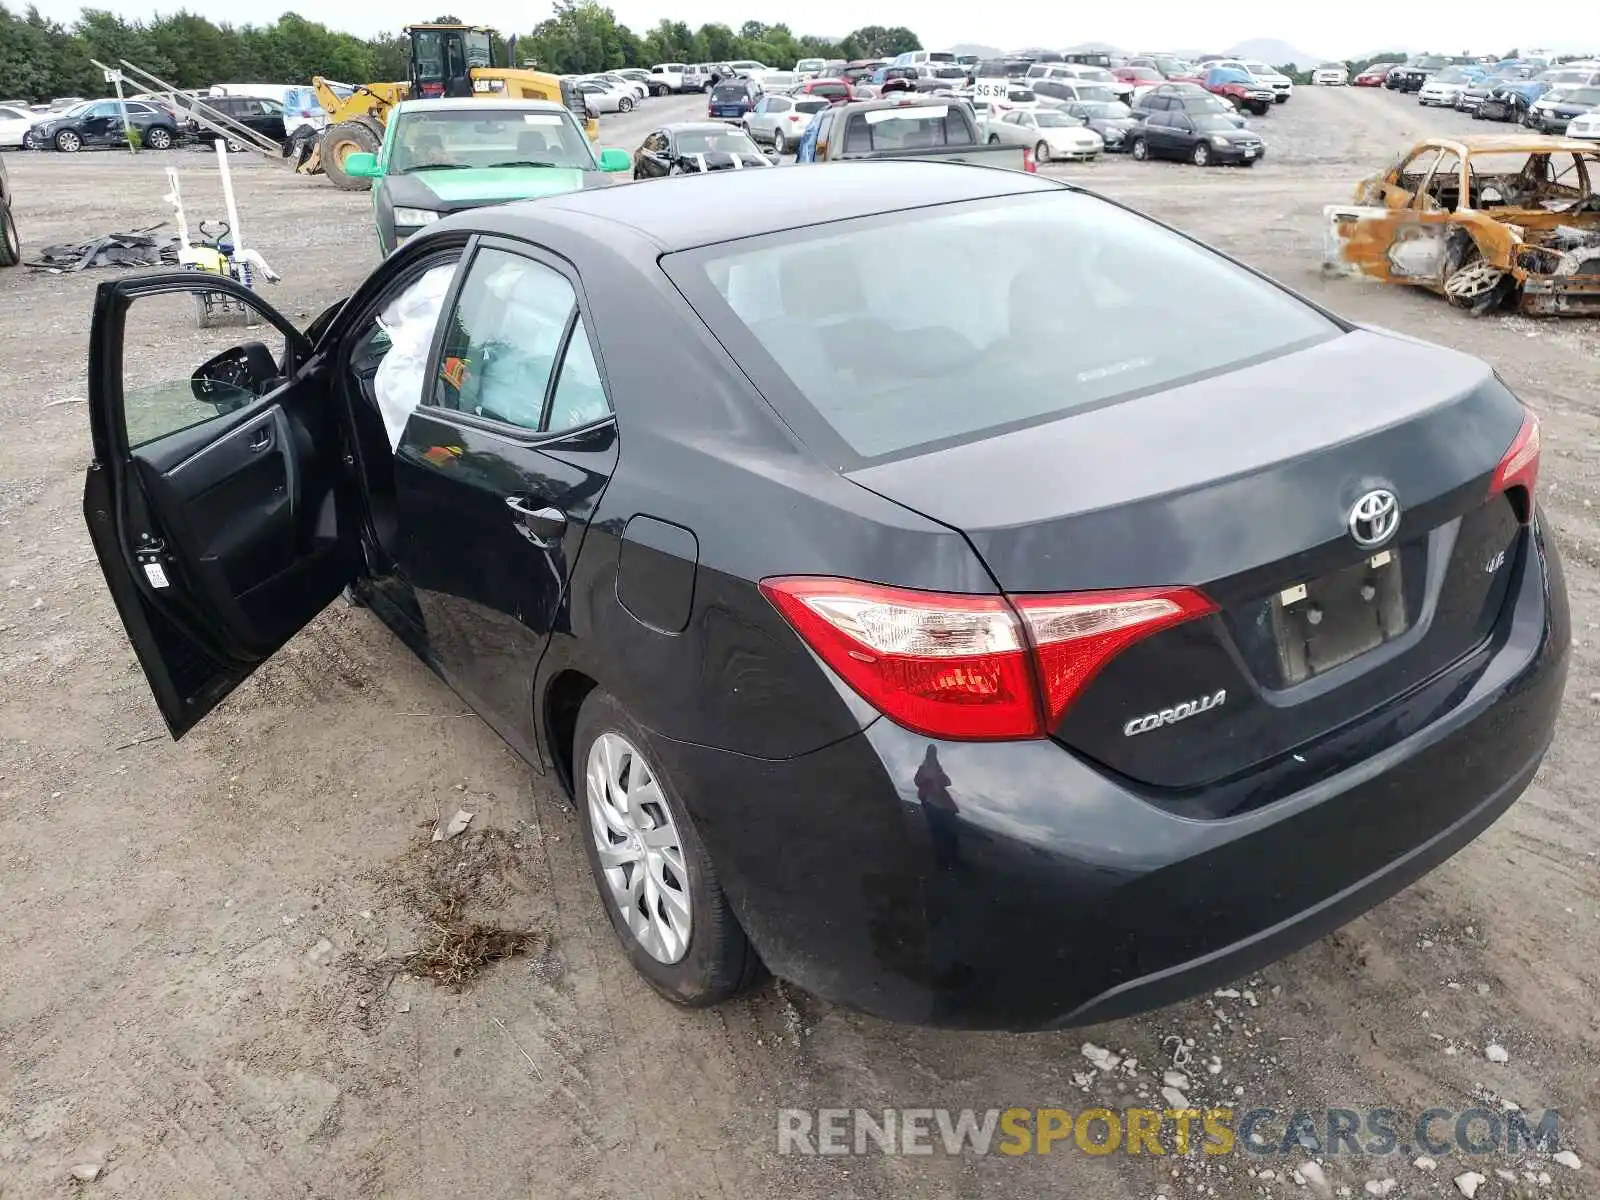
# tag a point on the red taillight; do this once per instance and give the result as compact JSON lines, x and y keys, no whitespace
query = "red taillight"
{"x":972,"y":667}
{"x":1028,"y":163}
{"x":1520,"y":466}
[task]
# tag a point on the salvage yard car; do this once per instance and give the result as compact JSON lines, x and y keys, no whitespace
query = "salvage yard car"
{"x":1052,"y":135}
{"x":1484,"y":221}
{"x":99,"y":123}
{"x":10,"y":239}
{"x":442,"y":156}
{"x":1200,"y":138}
{"x":1240,"y":89}
{"x":960,"y":663}
{"x":1559,"y":107}
{"x":696,"y":147}
{"x":1331,"y":75}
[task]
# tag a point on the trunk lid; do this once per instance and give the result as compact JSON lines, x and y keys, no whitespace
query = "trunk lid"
{"x":1243,"y":485}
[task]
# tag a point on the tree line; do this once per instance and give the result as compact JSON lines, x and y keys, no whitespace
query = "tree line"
{"x":41,"y":59}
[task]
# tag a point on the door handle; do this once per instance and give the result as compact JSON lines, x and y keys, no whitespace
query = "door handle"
{"x":261,"y":439}
{"x":543,"y":527}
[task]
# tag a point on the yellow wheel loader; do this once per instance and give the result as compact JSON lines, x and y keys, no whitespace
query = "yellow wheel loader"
{"x":445,"y":61}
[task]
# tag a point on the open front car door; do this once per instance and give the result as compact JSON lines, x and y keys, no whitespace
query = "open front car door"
{"x":218,"y":501}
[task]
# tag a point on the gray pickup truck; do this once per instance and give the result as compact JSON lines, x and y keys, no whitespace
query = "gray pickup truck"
{"x":941,"y":128}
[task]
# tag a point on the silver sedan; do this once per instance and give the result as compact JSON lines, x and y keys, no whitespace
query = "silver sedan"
{"x":1052,"y":135}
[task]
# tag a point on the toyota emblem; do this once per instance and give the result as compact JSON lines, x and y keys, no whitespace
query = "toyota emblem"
{"x":1374,"y":518}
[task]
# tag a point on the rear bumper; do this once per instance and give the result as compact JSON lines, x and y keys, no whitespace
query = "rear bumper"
{"x":1012,"y":885}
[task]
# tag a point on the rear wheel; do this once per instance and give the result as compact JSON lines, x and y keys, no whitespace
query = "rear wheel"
{"x":1475,"y":285}
{"x":1201,"y":157}
{"x":10,"y":241}
{"x":338,"y":144}
{"x":625,"y":104}
{"x":653,"y":873}
{"x":779,"y":145}
{"x":658,"y":89}
{"x":158,"y":137}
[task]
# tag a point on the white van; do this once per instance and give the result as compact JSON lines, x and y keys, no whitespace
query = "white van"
{"x":915,"y":58}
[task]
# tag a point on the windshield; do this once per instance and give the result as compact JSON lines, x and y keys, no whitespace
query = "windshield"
{"x":486,"y":137}
{"x":823,"y":91}
{"x":1584,"y":95}
{"x":1100,"y":110}
{"x":949,"y":73}
{"x":1053,"y":120}
{"x":715,"y":141}
{"x":1453,"y":75}
{"x":809,"y":64}
{"x":852,"y":322}
{"x":1099,"y":95}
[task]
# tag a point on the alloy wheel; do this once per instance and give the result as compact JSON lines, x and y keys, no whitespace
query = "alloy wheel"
{"x":68,"y":142}
{"x":1140,"y":151}
{"x":158,"y":139}
{"x":779,"y":146}
{"x":1202,"y":154}
{"x":640,"y":852}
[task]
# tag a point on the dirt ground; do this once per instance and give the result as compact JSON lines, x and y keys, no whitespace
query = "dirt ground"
{"x":198,"y":982}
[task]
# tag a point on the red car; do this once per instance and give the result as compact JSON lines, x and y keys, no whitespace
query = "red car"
{"x":1374,"y":75}
{"x":1242,"y":90}
{"x":1138,"y":76}
{"x":834,"y":91}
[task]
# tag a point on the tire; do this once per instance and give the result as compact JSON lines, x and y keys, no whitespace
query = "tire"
{"x":158,"y":137}
{"x":1041,"y":153}
{"x":658,"y":89}
{"x":338,"y":143}
{"x":779,"y":144}
{"x":625,"y":104}
{"x":1280,"y":99}
{"x":68,"y":142}
{"x":10,"y":240}
{"x":1140,"y":150}
{"x":994,"y":139}
{"x":1201,"y":155}
{"x":684,"y":939}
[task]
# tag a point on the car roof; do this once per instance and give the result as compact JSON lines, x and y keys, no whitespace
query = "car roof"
{"x":510,"y":104}
{"x":1532,"y":143}
{"x":685,"y":211}
{"x":701,"y":127}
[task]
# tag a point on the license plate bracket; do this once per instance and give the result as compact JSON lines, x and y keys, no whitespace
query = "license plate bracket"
{"x":1325,"y":622}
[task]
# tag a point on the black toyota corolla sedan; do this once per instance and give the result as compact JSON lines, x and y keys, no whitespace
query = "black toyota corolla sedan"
{"x":988,"y":665}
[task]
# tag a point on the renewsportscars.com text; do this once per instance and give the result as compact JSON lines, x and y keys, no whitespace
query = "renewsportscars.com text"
{"x":1256,"y":1131}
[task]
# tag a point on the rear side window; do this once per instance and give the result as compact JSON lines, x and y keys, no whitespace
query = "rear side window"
{"x":943,"y":325}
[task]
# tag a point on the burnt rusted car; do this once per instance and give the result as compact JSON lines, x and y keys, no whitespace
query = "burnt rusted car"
{"x":1487,"y":222}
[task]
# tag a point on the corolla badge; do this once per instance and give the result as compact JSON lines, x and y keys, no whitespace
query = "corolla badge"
{"x":1374,"y":518}
{"x":1178,"y":712}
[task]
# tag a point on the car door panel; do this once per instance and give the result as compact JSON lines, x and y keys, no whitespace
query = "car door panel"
{"x":223,"y":536}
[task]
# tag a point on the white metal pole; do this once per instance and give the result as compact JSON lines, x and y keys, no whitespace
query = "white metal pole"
{"x":234,"y":231}
{"x":122,"y":106}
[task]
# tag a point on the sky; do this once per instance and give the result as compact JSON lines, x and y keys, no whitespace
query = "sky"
{"x":1319,"y":27}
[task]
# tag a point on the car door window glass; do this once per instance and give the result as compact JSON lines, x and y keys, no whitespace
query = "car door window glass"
{"x":579,"y":397}
{"x":194,"y":373}
{"x":503,"y":339}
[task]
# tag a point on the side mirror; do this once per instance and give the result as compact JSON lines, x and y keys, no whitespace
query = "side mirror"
{"x":362,"y":165}
{"x":232,"y":378}
{"x":613,"y":160}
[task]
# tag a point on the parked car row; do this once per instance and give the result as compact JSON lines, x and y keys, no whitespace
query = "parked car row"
{"x":160,"y":121}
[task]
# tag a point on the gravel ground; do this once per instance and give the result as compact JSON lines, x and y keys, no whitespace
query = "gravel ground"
{"x":197,"y":992}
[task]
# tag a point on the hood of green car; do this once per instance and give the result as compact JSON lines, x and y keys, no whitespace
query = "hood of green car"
{"x":488,"y":184}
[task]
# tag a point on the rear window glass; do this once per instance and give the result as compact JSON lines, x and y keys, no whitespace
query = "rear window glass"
{"x":731,"y":91}
{"x":916,"y":127}
{"x":811,"y":106}
{"x":828,"y":89}
{"x":944,"y":325}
